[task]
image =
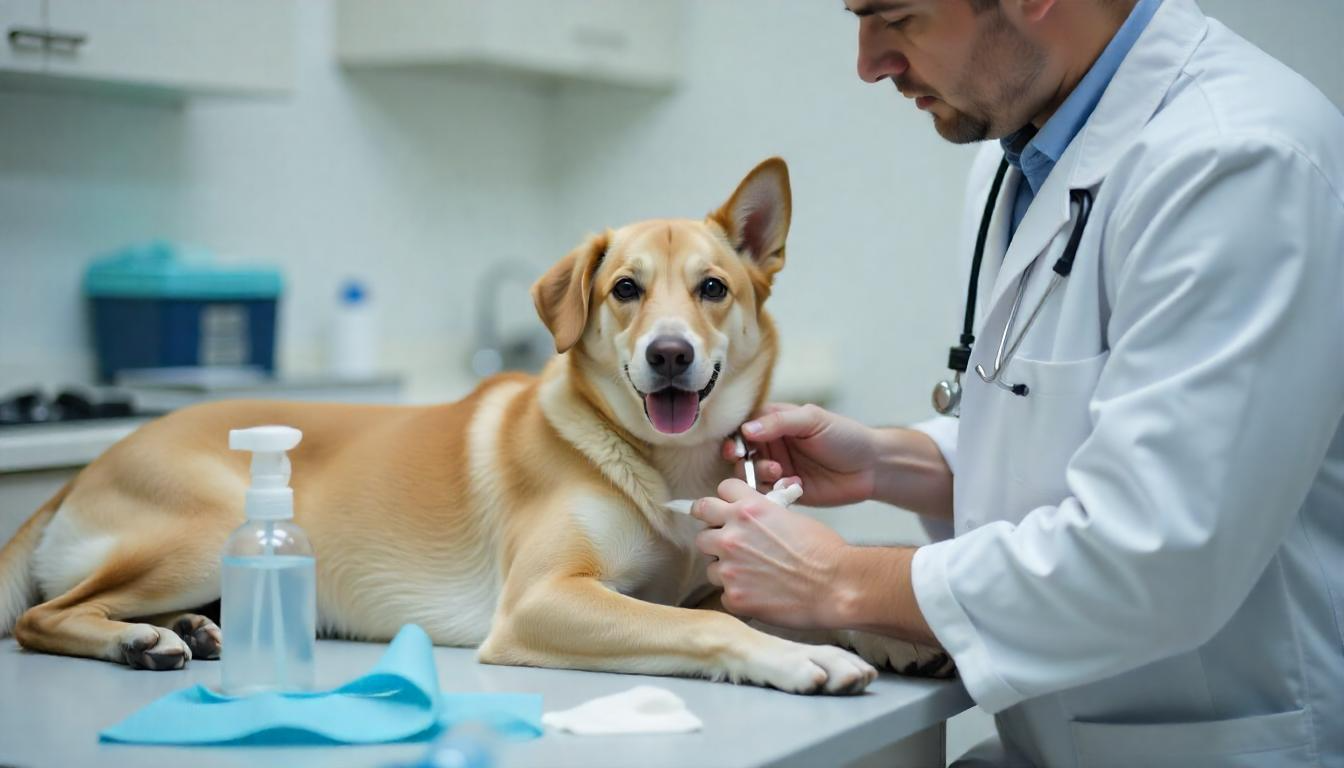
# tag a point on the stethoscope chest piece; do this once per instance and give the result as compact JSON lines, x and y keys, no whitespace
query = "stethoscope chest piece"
{"x":947,"y":396}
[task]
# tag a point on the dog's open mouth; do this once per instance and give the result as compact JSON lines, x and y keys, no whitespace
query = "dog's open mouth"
{"x":672,"y":410}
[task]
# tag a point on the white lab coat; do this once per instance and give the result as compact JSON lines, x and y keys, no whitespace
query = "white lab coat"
{"x":1149,"y":561}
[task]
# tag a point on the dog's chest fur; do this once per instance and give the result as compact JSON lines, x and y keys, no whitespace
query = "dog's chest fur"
{"x":662,"y":567}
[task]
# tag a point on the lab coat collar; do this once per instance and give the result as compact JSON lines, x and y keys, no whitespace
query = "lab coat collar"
{"x":1130,"y":101}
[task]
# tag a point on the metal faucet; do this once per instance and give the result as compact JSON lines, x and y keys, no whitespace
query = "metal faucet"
{"x":490,"y":353}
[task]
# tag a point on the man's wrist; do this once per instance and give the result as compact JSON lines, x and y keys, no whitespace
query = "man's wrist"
{"x":873,"y":591}
{"x":840,"y":606}
{"x":910,"y":472}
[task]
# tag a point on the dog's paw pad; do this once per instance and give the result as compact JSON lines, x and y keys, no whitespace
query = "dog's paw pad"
{"x":202,"y":635}
{"x":156,"y":648}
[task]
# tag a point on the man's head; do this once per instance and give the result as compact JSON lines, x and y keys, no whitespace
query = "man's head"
{"x":983,"y":68}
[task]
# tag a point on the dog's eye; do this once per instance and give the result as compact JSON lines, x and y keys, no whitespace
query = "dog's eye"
{"x":713,"y":289}
{"x":625,"y":290}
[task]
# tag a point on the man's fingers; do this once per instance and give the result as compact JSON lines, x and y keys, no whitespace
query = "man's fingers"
{"x":708,"y":542}
{"x":712,"y":574}
{"x":729,"y":451}
{"x":801,"y":421}
{"x":732,"y":489}
{"x":712,"y":511}
{"x":768,"y":471}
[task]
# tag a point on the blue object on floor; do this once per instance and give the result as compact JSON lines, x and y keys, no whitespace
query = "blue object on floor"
{"x":398,"y":700}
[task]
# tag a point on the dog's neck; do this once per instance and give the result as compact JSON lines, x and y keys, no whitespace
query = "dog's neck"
{"x":690,"y":471}
{"x":648,"y":475}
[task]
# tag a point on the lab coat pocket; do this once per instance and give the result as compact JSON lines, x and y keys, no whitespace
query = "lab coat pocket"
{"x":1049,"y":424}
{"x":1281,"y":739}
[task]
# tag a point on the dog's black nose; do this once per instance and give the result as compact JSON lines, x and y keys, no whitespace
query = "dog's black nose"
{"x":669,"y":356}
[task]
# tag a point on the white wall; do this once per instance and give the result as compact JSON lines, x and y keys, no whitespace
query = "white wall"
{"x":410,"y":179}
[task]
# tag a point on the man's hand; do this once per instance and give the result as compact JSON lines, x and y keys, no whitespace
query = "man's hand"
{"x":834,"y":456}
{"x":773,"y":564}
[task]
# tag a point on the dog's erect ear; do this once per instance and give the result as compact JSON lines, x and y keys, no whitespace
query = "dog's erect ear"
{"x":561,"y":295}
{"x":756,"y":217}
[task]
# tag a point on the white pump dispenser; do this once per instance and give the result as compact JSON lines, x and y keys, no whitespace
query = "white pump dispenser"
{"x":270,"y":497}
{"x":268,"y":599}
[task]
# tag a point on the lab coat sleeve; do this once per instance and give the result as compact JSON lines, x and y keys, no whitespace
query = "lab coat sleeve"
{"x":943,"y":431}
{"x":1209,"y":421}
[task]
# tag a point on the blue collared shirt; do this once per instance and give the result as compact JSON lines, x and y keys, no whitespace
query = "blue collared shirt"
{"x":1035,"y":153}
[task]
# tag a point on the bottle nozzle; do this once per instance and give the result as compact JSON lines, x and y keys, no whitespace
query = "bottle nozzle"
{"x":270,"y":497}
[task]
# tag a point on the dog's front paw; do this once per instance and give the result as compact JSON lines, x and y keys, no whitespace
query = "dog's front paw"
{"x":801,"y":668}
{"x":145,"y":646}
{"x":900,"y":656}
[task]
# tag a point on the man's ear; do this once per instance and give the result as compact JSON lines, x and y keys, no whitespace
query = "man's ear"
{"x":756,"y":217}
{"x":561,"y":295}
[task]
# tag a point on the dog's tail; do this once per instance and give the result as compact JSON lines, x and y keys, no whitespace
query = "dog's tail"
{"x":18,"y":588}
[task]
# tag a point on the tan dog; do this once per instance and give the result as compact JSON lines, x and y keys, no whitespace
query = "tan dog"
{"x":527,"y":518}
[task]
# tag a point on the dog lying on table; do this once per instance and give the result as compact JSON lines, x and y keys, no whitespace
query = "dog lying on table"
{"x":528,"y":519}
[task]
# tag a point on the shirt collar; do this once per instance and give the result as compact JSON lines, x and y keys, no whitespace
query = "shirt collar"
{"x":1035,"y":153}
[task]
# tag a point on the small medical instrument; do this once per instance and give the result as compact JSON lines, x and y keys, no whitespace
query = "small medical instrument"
{"x":748,"y":467}
{"x":947,"y":394}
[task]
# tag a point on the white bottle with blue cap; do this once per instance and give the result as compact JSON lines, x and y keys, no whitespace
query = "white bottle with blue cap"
{"x":352,"y":350}
{"x":268,"y":601}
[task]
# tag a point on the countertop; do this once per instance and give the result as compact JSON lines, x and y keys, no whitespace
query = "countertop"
{"x":51,"y":709}
{"x":65,"y":444}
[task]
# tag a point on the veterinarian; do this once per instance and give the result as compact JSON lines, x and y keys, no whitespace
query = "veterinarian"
{"x":1146,"y":478}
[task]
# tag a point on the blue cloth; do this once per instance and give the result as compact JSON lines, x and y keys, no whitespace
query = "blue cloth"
{"x":398,"y":700}
{"x":1035,"y":153}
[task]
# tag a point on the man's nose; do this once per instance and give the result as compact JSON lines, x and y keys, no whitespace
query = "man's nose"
{"x":669,"y":356}
{"x":878,"y":58}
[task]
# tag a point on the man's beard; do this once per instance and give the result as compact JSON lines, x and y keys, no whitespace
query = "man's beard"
{"x":1006,"y":64}
{"x":962,"y":128}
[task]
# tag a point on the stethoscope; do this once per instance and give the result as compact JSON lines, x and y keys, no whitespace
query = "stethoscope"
{"x":947,"y":394}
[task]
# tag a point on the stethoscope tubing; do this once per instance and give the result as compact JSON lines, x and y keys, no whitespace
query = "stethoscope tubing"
{"x":947,"y":395}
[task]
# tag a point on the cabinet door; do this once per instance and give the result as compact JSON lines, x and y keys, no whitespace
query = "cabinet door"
{"x":21,"y":22}
{"x":629,"y":41}
{"x":614,"y":40}
{"x":205,"y":45}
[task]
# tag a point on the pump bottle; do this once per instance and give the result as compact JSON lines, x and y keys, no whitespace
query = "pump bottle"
{"x":268,"y":603}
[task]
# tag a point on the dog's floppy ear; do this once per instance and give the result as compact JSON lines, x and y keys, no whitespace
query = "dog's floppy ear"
{"x":756,"y":217}
{"x":561,"y":295}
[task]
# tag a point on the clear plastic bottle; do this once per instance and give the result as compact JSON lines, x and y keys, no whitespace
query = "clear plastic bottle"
{"x":268,"y":601}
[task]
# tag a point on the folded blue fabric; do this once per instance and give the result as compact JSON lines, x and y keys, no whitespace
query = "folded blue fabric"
{"x":398,"y":700}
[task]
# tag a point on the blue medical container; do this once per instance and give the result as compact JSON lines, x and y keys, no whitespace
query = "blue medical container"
{"x":160,"y":304}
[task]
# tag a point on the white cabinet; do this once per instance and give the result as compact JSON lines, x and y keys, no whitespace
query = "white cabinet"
{"x":223,"y":46}
{"x":22,"y":50}
{"x":635,"y":42}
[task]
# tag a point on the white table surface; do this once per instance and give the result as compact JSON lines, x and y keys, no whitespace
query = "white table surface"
{"x":51,"y":709}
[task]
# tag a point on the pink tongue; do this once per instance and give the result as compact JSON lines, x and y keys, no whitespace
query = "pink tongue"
{"x":672,"y":411}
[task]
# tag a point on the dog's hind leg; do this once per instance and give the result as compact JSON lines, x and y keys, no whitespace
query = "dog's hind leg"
{"x":88,"y":620}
